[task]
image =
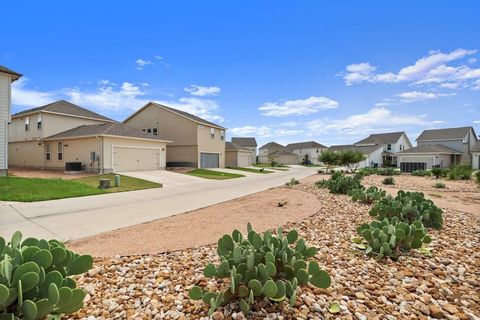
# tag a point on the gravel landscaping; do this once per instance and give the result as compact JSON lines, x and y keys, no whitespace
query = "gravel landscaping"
{"x":444,"y":285}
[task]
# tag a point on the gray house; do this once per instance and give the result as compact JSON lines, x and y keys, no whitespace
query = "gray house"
{"x":248,"y":143}
{"x":439,"y":148}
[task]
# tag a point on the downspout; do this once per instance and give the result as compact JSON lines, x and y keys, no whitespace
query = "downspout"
{"x":100,"y":164}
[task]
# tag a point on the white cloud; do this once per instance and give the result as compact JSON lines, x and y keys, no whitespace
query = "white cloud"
{"x":476,"y":121}
{"x":201,"y":91}
{"x":297,"y":107}
{"x":203,"y":108}
{"x":142,"y":63}
{"x":383,"y":104}
{"x":262,"y":131}
{"x":23,"y":97}
{"x":412,"y":96}
{"x":432,"y":68}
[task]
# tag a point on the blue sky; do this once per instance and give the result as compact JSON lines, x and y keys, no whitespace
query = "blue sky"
{"x":285,"y":71}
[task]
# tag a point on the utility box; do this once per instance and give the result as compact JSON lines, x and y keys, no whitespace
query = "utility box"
{"x":104,"y":184}
{"x":117,"y":180}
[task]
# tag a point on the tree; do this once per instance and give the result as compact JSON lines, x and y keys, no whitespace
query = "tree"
{"x":306,"y":159}
{"x":329,"y":158}
{"x":350,"y":159}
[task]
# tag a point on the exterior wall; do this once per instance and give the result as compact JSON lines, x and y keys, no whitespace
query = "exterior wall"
{"x":458,"y":145}
{"x":253,"y":150}
{"x":285,"y":159}
{"x":396,"y":146}
{"x":211,"y":145}
{"x":476,"y":160}
{"x":264,"y":154}
{"x":182,"y":156}
{"x":74,"y":150}
{"x":444,"y":160}
{"x":313,"y":153}
{"x":110,"y":142}
{"x":232,"y":158}
{"x":5,"y":105}
{"x":26,"y":154}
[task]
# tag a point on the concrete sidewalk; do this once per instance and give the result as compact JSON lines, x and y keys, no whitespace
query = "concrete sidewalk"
{"x":75,"y":218}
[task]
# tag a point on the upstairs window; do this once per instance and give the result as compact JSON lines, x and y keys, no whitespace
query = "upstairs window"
{"x":389,"y":147}
{"x":39,"y":122}
{"x":222,"y":135}
{"x":27,"y":123}
{"x":60,"y":151}
{"x":155,"y":131}
{"x":212,"y":133}
{"x":149,"y":130}
{"x":48,"y":151}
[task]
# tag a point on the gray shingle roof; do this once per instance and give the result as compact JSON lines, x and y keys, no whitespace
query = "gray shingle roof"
{"x":188,"y":115}
{"x":272,"y":145}
{"x":109,"y":128}
{"x":65,"y":107}
{"x":304,"y":145}
{"x":430,"y":148}
{"x":441,"y":134}
{"x":476,"y":147}
{"x":9,"y":71}
{"x":381,"y":138}
{"x":363,"y":149}
{"x":230,"y":146}
{"x":245,"y":141}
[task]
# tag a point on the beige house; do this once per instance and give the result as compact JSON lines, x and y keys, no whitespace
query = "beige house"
{"x":267,"y":149}
{"x":249,"y":143}
{"x":273,"y":151}
{"x":64,"y":136}
{"x":311,"y":148}
{"x":196,"y":142}
{"x":7,"y":76}
{"x":237,"y":156}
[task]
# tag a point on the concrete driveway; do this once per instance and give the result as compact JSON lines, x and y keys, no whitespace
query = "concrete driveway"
{"x":85,"y":216}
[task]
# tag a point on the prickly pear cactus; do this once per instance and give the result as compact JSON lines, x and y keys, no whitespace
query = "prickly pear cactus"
{"x":409,"y":207}
{"x":261,"y":265}
{"x":35,"y":278}
{"x":340,"y":184}
{"x":391,"y":238}
{"x":367,"y":195}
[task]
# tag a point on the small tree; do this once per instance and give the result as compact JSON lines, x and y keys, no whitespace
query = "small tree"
{"x":329,"y":158}
{"x":350,"y":159}
{"x":306,"y":159}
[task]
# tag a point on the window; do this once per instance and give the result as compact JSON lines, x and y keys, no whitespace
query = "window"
{"x":222,"y":135}
{"x":317,"y":150}
{"x":48,"y":150}
{"x":144,"y":129}
{"x":60,"y":151}
{"x":155,"y":131}
{"x":212,"y":133}
{"x":389,"y":147}
{"x":401,"y":147}
{"x":39,"y":122}
{"x":149,"y":130}
{"x":27,"y":123}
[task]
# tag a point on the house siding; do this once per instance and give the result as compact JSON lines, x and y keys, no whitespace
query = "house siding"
{"x":26,"y":154}
{"x":313,"y":154}
{"x":476,"y":160}
{"x":211,"y":145}
{"x":5,"y":97}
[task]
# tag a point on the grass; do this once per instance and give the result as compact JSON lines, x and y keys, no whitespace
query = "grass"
{"x":251,"y":170}
{"x":211,"y":174}
{"x":281,"y":167}
{"x":36,"y":189}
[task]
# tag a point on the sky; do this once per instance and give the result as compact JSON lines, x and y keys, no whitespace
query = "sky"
{"x":284,"y":71}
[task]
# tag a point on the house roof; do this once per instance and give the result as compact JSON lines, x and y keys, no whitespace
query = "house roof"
{"x":15,"y":75}
{"x":476,"y":147}
{"x":104,"y":129}
{"x":282,"y":153}
{"x":64,"y":107}
{"x":430,"y":148}
{"x":245,"y":141}
{"x":271,"y":145}
{"x":381,"y":138}
{"x":182,"y":113}
{"x":362,"y":149}
{"x":444,"y":134}
{"x":304,"y":145}
{"x":231,"y":146}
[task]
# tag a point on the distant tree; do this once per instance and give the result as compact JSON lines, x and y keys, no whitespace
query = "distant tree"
{"x":306,"y":159}
{"x":350,"y":159}
{"x":329,"y":158}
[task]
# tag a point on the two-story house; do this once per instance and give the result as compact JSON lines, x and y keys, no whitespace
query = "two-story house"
{"x":61,"y":133}
{"x":247,"y":143}
{"x":440,"y":148}
{"x":275,"y":152}
{"x":311,"y":148}
{"x":196,"y":142}
{"x":7,"y":76}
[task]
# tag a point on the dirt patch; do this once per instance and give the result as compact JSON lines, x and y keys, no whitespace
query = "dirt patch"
{"x":264,"y":210}
{"x":46,"y":174}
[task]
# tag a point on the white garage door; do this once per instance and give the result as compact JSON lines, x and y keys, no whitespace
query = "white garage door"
{"x":244,"y":160}
{"x":135,"y":159}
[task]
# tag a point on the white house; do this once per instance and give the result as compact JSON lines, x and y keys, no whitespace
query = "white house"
{"x":373,"y":154}
{"x":311,"y":148}
{"x":7,"y":76}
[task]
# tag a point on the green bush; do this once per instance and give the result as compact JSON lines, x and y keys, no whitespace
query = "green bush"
{"x":477,"y":177}
{"x":460,"y":173}
{"x":340,"y":185}
{"x":292,"y":182}
{"x":388,"y":172}
{"x":439,"y":185}
{"x":388,"y":181}
{"x":409,"y":207}
{"x":368,"y":195}
{"x":391,"y":238}
{"x":260,"y":266}
{"x":367,"y":171}
{"x":421,"y":173}
{"x":35,"y":278}
{"x":439,"y":172}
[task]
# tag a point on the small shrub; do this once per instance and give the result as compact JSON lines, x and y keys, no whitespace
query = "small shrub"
{"x":292,"y":182}
{"x":477,"y":177}
{"x":261,"y":266}
{"x":368,"y":196}
{"x":35,"y":278}
{"x":340,"y":185}
{"x":321,"y":171}
{"x":358,"y":176}
{"x":439,"y":185}
{"x":391,"y":238}
{"x":262,"y":169}
{"x":388,"y":181}
{"x":282,"y":204}
{"x":421,"y":173}
{"x":336,"y":174}
{"x":409,"y":207}
{"x":460,"y":173}
{"x":367,"y":171}
{"x":439,"y":172}
{"x":388,"y":172}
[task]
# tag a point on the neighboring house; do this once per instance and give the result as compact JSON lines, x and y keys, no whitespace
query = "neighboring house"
{"x":440,"y":148}
{"x":196,"y":142}
{"x":284,"y":157}
{"x":7,"y":76}
{"x":265,"y":150}
{"x":237,"y":156}
{"x":476,"y":156}
{"x":372,"y":153}
{"x":312,"y":148}
{"x":391,"y":142}
{"x":60,"y":134}
{"x":248,"y":143}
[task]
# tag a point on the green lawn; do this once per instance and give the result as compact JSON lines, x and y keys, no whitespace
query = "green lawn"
{"x":36,"y":189}
{"x":269,"y":166}
{"x":211,"y":174}
{"x":250,"y":170}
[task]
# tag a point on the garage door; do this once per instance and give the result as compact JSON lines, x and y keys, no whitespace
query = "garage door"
{"x":412,"y":166}
{"x":209,"y":160}
{"x":244,"y":160}
{"x":135,"y":159}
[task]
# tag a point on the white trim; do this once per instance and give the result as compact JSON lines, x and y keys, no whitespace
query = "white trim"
{"x":105,"y":135}
{"x":137,"y":147}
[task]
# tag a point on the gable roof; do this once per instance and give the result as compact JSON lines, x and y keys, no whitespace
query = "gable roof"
{"x":476,"y":147}
{"x":104,"y":129}
{"x":381,"y":138}
{"x":444,"y":134}
{"x":272,"y":145}
{"x":245,"y":141}
{"x":181,"y":113}
{"x":67,"y":108}
{"x":304,"y":145}
{"x":231,"y":146}
{"x":430,"y":148}
{"x":15,"y":75}
{"x":363,"y":149}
